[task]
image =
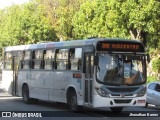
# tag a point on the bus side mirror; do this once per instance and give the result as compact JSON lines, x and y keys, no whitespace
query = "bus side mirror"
{"x":148,"y":58}
{"x":96,"y":60}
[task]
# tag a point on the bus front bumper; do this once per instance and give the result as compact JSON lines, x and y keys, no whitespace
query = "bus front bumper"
{"x":99,"y":101}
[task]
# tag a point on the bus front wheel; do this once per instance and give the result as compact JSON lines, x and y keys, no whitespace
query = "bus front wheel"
{"x":116,"y":109}
{"x":146,"y":105}
{"x":73,"y":101}
{"x":25,"y":94}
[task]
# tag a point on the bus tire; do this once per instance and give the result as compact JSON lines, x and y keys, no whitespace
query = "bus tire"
{"x":116,"y":109}
{"x":25,"y":94}
{"x":73,"y":101}
{"x":146,"y":105}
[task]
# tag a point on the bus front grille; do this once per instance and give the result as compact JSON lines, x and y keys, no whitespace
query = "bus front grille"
{"x":122,"y":101}
{"x":119,"y":95}
{"x":131,"y":89}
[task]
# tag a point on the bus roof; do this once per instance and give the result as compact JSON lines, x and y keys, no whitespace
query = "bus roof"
{"x":71,"y":43}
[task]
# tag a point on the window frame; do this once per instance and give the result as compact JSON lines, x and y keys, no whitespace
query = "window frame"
{"x":23,"y":60}
{"x":79,"y":67}
{"x":8,"y":60}
{"x":150,"y":86}
{"x":34,"y":59}
{"x":61,"y":60}
{"x":52,"y":60}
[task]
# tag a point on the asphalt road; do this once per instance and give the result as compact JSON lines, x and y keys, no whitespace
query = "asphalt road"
{"x":59,"y":111}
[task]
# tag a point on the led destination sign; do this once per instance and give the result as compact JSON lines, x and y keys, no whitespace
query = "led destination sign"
{"x":120,"y":46}
{"x":123,"y":46}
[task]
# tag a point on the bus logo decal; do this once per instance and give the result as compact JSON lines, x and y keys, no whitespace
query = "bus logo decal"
{"x":122,"y":95}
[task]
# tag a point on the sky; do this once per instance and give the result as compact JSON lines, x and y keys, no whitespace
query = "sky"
{"x":5,"y":3}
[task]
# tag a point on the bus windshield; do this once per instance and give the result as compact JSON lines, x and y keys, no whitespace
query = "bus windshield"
{"x":120,"y":69}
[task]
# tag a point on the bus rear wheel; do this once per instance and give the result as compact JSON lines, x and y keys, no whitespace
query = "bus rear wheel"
{"x":25,"y":94}
{"x":116,"y":109}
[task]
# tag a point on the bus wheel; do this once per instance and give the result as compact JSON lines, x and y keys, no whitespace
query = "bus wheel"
{"x":116,"y":109}
{"x":73,"y":101}
{"x":146,"y":105}
{"x":25,"y":94}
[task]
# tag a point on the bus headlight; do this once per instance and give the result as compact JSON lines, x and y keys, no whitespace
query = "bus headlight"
{"x":141,"y":92}
{"x":101,"y":92}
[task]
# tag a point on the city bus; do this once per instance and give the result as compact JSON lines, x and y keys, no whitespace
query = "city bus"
{"x":94,"y":73}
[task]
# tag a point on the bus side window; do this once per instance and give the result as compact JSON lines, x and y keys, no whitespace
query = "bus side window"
{"x":38,"y":61}
{"x":22,"y":54}
{"x":62,"y":59}
{"x":48,"y":59}
{"x":26,"y":64}
{"x":8,"y":61}
{"x":75,"y":59}
{"x":78,"y":55}
{"x":25,"y":60}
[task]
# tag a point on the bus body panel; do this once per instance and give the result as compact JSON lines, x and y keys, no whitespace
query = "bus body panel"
{"x":99,"y":101}
{"x":7,"y":80}
{"x":51,"y":85}
{"x":37,"y":85}
{"x":21,"y":80}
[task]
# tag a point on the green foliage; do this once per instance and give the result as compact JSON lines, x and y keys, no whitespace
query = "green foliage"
{"x":60,"y":14}
{"x":151,"y":79}
{"x":24,"y":24}
{"x":117,"y":18}
{"x":156,"y":65}
{"x":9,"y":26}
{"x":35,"y":26}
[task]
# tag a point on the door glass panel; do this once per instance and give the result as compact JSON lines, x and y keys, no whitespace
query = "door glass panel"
{"x":87,"y":66}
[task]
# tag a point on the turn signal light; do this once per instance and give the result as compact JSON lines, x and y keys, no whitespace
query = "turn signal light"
{"x":77,"y":75}
{"x":141,"y":101}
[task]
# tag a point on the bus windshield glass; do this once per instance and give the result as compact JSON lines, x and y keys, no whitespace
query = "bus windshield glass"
{"x":121,"y":69}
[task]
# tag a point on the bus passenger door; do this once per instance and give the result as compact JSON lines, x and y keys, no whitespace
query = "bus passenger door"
{"x":15,"y":75}
{"x":89,"y":70}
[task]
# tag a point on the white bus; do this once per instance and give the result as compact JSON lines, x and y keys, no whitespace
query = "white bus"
{"x":97,"y":72}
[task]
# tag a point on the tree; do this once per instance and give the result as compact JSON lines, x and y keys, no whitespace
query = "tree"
{"x":25,"y":24}
{"x":97,"y":19}
{"x":35,"y":25}
{"x":60,"y":13}
{"x":156,"y":65}
{"x":118,"y":18}
{"x":142,"y":19}
{"x":9,"y":26}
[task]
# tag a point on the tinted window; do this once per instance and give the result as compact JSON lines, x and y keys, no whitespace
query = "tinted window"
{"x":152,"y":86}
{"x":61,"y":59}
{"x":26,"y":55}
{"x":37,"y":59}
{"x":25,"y":64}
{"x":8,"y":61}
{"x":49,"y":59}
{"x":39,"y":54}
{"x":75,"y":58}
{"x":25,"y":60}
{"x":157,"y":87}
